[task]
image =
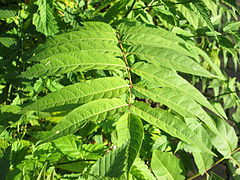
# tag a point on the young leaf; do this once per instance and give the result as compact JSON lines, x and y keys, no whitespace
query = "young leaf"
{"x":168,"y":123}
{"x":80,"y":93}
{"x":130,"y":129}
{"x":93,"y":111}
{"x":166,"y":166}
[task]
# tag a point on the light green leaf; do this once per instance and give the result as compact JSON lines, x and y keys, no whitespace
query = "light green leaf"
{"x":68,"y":146}
{"x":92,"y":36}
{"x":134,"y":33}
{"x":168,"y":123}
{"x":80,"y":93}
{"x":224,"y":139}
{"x":97,"y":110}
{"x":130,"y":129}
{"x":141,"y":171}
{"x":164,"y":77}
{"x":166,"y":166}
{"x":170,"y":59}
{"x":202,"y":11}
{"x":177,"y":101}
{"x":190,"y":15}
{"x":203,"y":160}
{"x":236,"y":158}
{"x":232,"y":27}
{"x":111,"y":165}
{"x":44,"y":19}
{"x":64,"y":63}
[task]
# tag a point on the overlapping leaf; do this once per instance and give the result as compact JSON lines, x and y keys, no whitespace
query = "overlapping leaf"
{"x":136,"y":34}
{"x":93,"y":111}
{"x":130,"y":129}
{"x":140,"y":170}
{"x":177,"y":101}
{"x":170,"y":59}
{"x":168,"y":123}
{"x":111,"y":165}
{"x":166,"y":166}
{"x":164,"y":77}
{"x":224,"y":139}
{"x":94,"y":46}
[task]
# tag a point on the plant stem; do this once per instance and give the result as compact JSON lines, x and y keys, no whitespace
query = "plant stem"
{"x":220,"y":160}
{"x":128,"y":69}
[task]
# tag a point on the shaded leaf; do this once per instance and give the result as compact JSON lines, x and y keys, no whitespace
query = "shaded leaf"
{"x":111,"y":165}
{"x":93,"y":111}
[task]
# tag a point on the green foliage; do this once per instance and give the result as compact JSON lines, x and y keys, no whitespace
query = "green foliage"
{"x":119,"y":89}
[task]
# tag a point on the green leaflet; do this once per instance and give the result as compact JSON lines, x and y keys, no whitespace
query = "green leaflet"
{"x":8,"y":41}
{"x":93,"y":46}
{"x":130,"y":129}
{"x":166,"y":166}
{"x":202,"y":11}
{"x":115,"y":9}
{"x":164,"y":77}
{"x":44,"y":20}
{"x":111,"y":165}
{"x":177,"y":101}
{"x":101,"y":47}
{"x":8,"y":12}
{"x":96,"y":110}
{"x":168,"y":123}
{"x":203,"y":160}
{"x":80,"y":93}
{"x":75,"y":166}
{"x":92,"y":37}
{"x":140,"y":170}
{"x":170,"y":59}
{"x":134,"y":33}
{"x":68,"y":146}
{"x":189,"y":15}
{"x":224,"y":139}
{"x":77,"y":61}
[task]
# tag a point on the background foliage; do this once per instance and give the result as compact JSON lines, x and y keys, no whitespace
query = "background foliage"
{"x":158,"y":133}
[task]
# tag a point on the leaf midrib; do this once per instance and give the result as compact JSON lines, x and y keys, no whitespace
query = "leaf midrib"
{"x":90,"y":94}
